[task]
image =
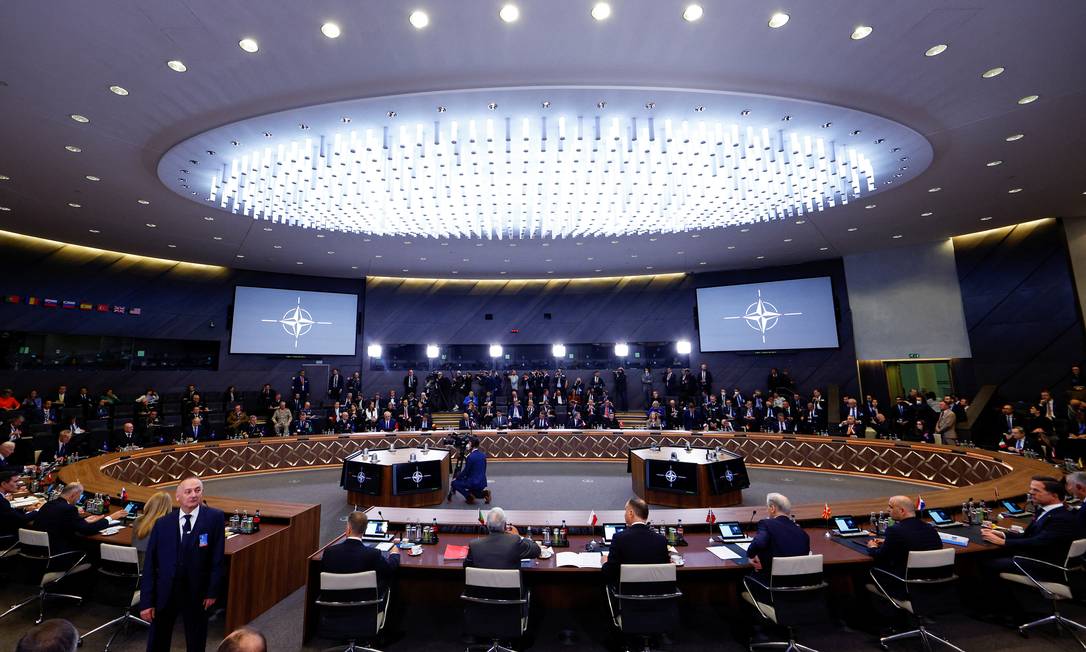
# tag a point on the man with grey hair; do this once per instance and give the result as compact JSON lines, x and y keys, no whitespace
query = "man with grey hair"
{"x":7,"y":450}
{"x":60,"y":518}
{"x":244,"y":639}
{"x":502,"y":547}
{"x":777,"y":536}
{"x":1076,"y":486}
{"x":53,"y":635}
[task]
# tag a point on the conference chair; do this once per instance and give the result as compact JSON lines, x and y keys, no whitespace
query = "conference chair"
{"x":793,"y":597}
{"x":34,"y":548}
{"x":1055,"y":583}
{"x":118,"y":586}
{"x":645,"y":603}
{"x":928,"y":589}
{"x":497,"y":606}
{"x":352,"y":609}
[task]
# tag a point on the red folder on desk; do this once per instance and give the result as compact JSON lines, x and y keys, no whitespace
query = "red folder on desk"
{"x":456,"y":552}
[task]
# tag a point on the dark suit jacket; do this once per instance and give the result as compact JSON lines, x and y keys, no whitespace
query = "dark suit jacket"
{"x":637,"y":544}
{"x":778,"y":537}
{"x":53,"y":450}
{"x":12,"y":519}
{"x":352,"y":556}
{"x":64,"y":525}
{"x":500,"y":550}
{"x":901,"y":538}
{"x":1048,"y":537}
{"x":200,"y":559}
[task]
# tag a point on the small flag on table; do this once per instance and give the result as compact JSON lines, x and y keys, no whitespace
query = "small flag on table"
{"x":86,"y":306}
{"x":135,"y":311}
{"x":482,"y":521}
{"x":920,"y":504}
{"x":50,"y":303}
{"x":826,"y":513}
{"x":69,"y":305}
{"x":13,"y":298}
{"x":119,"y":310}
{"x":33,"y":301}
{"x":710,"y":518}
{"x":102,"y":307}
{"x":593,"y":519}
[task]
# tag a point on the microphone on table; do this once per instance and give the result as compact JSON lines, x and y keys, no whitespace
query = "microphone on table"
{"x":753,"y":512}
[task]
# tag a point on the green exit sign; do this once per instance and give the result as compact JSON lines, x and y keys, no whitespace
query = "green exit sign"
{"x":914,"y":355}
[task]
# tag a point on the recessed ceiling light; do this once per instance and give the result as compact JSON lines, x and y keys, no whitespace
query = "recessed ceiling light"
{"x":601,"y":11}
{"x":1014,"y":137}
{"x":546,"y":244}
{"x":695,"y":235}
{"x":277,"y":246}
{"x":91,"y":177}
{"x":82,"y":119}
{"x":788,"y":239}
{"x":1013,"y":191}
{"x":332,"y":252}
{"x":75,"y":205}
{"x":731,"y":246}
{"x":118,"y":90}
{"x":861,"y":32}
{"x":992,"y":164}
{"x":172,"y":246}
{"x":208,"y":218}
{"x":239,"y":256}
{"x":150,"y":225}
{"x":509,"y":13}
{"x":93,"y":231}
{"x":823,"y":248}
{"x":680,"y":253}
{"x":693,"y":13}
{"x":744,"y":230}
{"x":331,"y":30}
{"x":216,"y":237}
{"x":1029,"y":99}
{"x":852,"y":228}
{"x":299,"y":263}
{"x":703,"y":263}
{"x":801,"y":221}
{"x":443,"y":244}
{"x":356,"y":267}
{"x":419,"y":19}
{"x":498,"y":272}
{"x":176,"y":65}
{"x":870,"y":206}
{"x":935,"y":50}
{"x":378,"y":256}
{"x":927,"y":214}
{"x":992,"y":72}
{"x":759,"y":257}
{"x":267,"y":228}
{"x":142,"y":201}
{"x":5,"y":209}
{"x":73,"y":148}
{"x":249,"y":45}
{"x":985,"y":219}
{"x":779,"y":19}
{"x":597,"y":270}
{"x":935,"y":189}
{"x":320,"y":235}
{"x":897,"y":237}
{"x":479,"y":244}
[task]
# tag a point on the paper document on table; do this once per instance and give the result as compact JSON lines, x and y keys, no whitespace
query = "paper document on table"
{"x":25,"y":501}
{"x":722,"y":552}
{"x":110,"y":531}
{"x":384,"y":547}
{"x":579,"y":559}
{"x":743,"y":545}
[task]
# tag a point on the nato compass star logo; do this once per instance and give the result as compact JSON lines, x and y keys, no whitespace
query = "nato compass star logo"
{"x":361,"y":477}
{"x":418,"y":476}
{"x":671,"y":476}
{"x":297,"y":322}
{"x":762,"y":316}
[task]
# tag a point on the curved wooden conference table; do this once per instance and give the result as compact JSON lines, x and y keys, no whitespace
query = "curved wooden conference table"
{"x":267,"y":567}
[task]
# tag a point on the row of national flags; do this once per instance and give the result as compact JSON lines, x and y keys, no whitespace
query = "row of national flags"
{"x":67,"y":304}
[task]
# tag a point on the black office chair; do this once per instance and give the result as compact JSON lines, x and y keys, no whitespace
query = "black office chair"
{"x":793,"y":597}
{"x":928,"y":589}
{"x":34,"y":548}
{"x":352,"y":609}
{"x":119,"y":586}
{"x":1055,"y":583}
{"x":645,"y":603}
{"x":497,"y":606}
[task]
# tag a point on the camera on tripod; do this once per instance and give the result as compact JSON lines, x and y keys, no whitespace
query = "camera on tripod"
{"x":460,"y":441}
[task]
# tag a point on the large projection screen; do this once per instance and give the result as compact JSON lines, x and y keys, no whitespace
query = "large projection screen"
{"x":796,"y":314}
{"x":293,"y":322}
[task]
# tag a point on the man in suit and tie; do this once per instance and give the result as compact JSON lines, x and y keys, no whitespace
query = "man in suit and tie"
{"x":196,"y":431}
{"x":502,"y":548}
{"x":299,"y":386}
{"x":353,"y":556}
{"x":516,"y":414}
{"x":7,"y":461}
{"x":903,"y":417}
{"x":637,"y":544}
{"x":471,"y":481}
{"x":387,"y":423}
{"x":410,"y":383}
{"x":11,"y":519}
{"x":542,"y":422}
{"x":671,"y":383}
{"x":1076,"y":486}
{"x":60,"y":518}
{"x":908,"y":533}
{"x":945,"y":425}
{"x":500,"y":421}
{"x":183,"y":569}
{"x":777,"y":536}
{"x":335,"y":385}
{"x":57,"y":451}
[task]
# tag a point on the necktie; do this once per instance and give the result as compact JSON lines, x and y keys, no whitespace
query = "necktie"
{"x":187,"y":527}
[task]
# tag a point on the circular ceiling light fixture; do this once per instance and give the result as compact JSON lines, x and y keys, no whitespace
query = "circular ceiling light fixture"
{"x":693,"y":13}
{"x":992,"y":164}
{"x":73,"y":149}
{"x":992,"y":72}
{"x":143,"y":202}
{"x":331,"y":30}
{"x":91,"y":177}
{"x":118,"y":90}
{"x":249,"y":45}
{"x":81,"y":119}
{"x":601,"y":11}
{"x":861,"y":32}
{"x":176,"y":65}
{"x":779,"y":19}
{"x":1014,"y":137}
{"x":1029,"y":99}
{"x":935,"y":50}
{"x":510,"y":13}
{"x":419,"y":19}
{"x":812,"y":170}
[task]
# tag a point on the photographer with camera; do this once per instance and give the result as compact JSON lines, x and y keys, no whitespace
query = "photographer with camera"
{"x":470,"y":482}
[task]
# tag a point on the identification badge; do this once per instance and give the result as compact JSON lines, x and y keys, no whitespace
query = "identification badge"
{"x":203,"y":540}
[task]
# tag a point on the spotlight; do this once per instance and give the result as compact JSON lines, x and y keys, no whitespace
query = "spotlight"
{"x":495,"y":350}
{"x":419,"y":19}
{"x":602,"y":11}
{"x":622,"y":350}
{"x":509,"y":13}
{"x":373,"y":350}
{"x":692,"y":13}
{"x":683,"y":347}
{"x":558,"y":350}
{"x":432,"y":351}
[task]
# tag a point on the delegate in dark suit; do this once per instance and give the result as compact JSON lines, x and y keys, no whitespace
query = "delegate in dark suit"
{"x":12,"y":519}
{"x":500,"y":550}
{"x":637,"y":544}
{"x":353,"y":556}
{"x":61,"y":520}
{"x":182,"y":573}
{"x":777,"y":537}
{"x":901,"y":538}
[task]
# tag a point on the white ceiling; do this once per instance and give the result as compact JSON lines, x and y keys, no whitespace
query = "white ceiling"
{"x":60,"y":57}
